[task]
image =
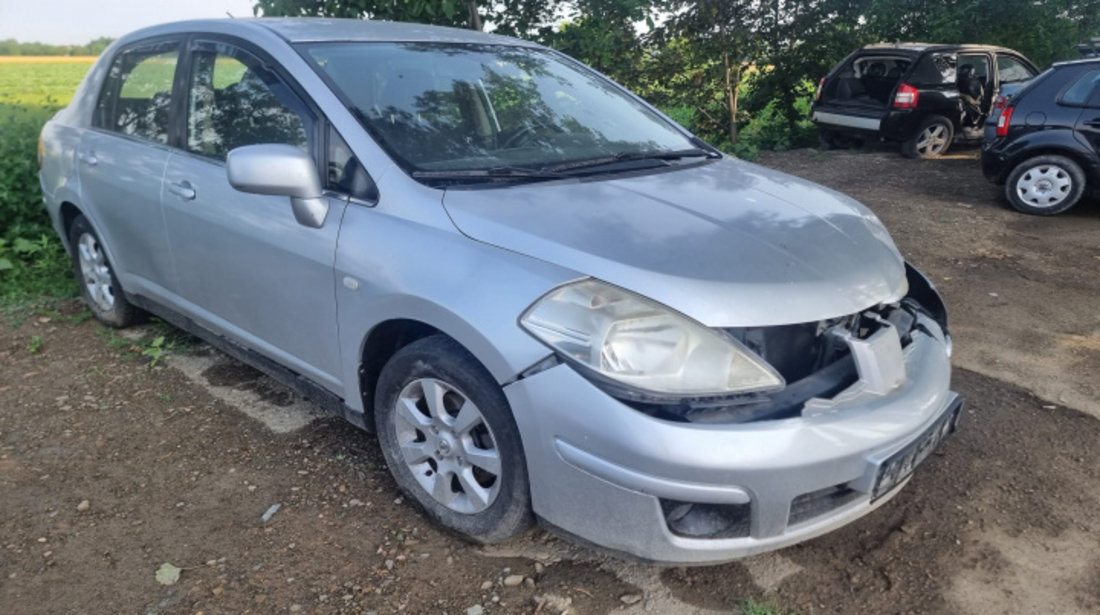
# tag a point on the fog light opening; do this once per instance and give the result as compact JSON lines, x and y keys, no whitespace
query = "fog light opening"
{"x":700,"y":520}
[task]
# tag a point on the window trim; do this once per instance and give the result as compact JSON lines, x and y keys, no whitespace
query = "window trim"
{"x":93,"y":122}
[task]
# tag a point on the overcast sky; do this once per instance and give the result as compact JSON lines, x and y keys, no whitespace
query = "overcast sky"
{"x":75,"y":22}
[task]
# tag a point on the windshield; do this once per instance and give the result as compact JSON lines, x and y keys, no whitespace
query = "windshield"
{"x":451,"y":107}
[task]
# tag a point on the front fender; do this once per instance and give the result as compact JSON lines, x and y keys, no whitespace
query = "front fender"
{"x":393,"y":268}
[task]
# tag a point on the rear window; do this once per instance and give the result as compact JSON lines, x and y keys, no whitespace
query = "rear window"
{"x":1083,"y":91}
{"x":935,"y":68}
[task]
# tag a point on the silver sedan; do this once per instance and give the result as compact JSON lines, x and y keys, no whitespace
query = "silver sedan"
{"x":549,"y":301}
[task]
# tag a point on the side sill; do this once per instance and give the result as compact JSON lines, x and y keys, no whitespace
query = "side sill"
{"x":327,"y":400}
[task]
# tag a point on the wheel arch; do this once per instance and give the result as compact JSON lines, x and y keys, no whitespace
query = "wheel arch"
{"x":502,"y":349}
{"x":68,"y":213}
{"x":378,"y":347}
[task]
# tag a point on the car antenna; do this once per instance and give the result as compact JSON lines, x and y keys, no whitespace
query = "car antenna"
{"x":230,"y":15}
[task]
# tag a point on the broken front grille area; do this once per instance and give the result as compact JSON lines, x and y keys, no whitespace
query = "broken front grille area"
{"x":814,"y":361}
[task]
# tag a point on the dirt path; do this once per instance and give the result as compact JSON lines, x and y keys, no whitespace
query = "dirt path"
{"x":177,"y":464}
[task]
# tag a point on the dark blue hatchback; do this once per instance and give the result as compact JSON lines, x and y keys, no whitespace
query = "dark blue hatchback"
{"x":1044,"y":146}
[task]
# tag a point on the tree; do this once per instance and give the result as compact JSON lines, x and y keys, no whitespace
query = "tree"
{"x":513,"y":17}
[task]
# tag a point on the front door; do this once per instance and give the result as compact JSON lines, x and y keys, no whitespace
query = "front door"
{"x":245,"y":265}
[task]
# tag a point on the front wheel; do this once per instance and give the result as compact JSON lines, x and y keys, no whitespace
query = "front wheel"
{"x":931,"y":140}
{"x":98,"y":284}
{"x":450,"y":441}
{"x":1045,"y":185}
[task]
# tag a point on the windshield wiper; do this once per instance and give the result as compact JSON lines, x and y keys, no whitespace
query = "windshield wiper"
{"x":666,"y":155}
{"x":491,"y":173}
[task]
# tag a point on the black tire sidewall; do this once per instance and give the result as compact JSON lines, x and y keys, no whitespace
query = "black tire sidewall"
{"x":1077,"y":190}
{"x":442,"y":358}
{"x":909,"y":147}
{"x":122,"y":314}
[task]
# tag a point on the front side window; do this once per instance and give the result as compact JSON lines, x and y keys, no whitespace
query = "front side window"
{"x":137,"y":93}
{"x":1012,"y":70}
{"x":1084,"y":92}
{"x":443,"y":107}
{"x":233,"y":100}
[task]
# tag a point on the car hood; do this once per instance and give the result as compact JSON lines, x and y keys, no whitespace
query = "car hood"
{"x":725,"y":242}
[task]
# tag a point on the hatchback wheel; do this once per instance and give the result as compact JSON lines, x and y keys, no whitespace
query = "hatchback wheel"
{"x":1045,"y":185}
{"x":450,"y":441}
{"x":931,"y":140}
{"x":98,"y":284}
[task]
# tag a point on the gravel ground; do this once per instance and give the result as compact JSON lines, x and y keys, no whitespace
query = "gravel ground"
{"x":110,"y":468}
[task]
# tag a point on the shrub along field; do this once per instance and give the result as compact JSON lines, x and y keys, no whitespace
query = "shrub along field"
{"x":32,"y":261}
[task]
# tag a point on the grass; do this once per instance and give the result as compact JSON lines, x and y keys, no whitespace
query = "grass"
{"x":32,"y":261}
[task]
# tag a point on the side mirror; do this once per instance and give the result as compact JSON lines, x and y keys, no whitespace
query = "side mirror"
{"x":281,"y":170}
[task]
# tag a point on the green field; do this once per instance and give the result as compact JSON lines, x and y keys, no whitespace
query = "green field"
{"x":41,"y":81}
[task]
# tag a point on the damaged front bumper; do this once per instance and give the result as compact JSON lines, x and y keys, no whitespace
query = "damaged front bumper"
{"x":698,"y":492}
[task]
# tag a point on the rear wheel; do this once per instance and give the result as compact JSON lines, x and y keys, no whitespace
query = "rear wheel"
{"x":1045,"y":185}
{"x":98,"y":284}
{"x":932,"y":139}
{"x":450,"y":441}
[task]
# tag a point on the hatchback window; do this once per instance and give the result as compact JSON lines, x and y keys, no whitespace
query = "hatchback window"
{"x":137,"y":93}
{"x":1085,"y":92}
{"x":450,"y":106}
{"x":1012,"y":70}
{"x":234,"y":101}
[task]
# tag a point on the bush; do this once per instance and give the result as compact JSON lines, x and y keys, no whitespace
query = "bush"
{"x":32,"y":260}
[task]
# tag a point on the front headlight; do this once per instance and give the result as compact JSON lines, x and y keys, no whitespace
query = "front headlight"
{"x":641,"y":344}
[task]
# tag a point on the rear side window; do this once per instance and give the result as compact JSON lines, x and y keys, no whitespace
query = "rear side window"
{"x":137,"y":93}
{"x":1012,"y":70}
{"x":1085,"y":91}
{"x":234,"y":100}
{"x":935,"y":69}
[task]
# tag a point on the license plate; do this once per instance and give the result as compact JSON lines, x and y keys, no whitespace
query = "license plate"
{"x":901,"y":464}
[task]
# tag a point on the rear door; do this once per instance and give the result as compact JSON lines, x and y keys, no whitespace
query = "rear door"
{"x":121,"y":162}
{"x":246,"y":267}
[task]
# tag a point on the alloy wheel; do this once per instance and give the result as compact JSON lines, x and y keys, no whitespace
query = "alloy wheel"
{"x":95,"y":272}
{"x":932,"y":140}
{"x":446,"y":443}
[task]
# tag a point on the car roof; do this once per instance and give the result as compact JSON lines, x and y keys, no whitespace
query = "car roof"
{"x":1077,"y":62}
{"x":316,"y":29}
{"x":921,"y":47}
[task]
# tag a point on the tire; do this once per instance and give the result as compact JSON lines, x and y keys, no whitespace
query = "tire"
{"x":1045,"y":185}
{"x":98,"y":284}
{"x":932,"y":139}
{"x":460,"y":458}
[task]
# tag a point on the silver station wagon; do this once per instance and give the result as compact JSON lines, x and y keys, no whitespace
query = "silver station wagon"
{"x":549,"y":301}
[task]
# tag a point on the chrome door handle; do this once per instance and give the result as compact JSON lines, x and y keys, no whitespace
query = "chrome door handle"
{"x":87,"y":158}
{"x":182,"y":189}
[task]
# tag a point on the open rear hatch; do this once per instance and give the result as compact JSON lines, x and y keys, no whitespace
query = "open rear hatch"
{"x":858,"y":93}
{"x":867,"y":81}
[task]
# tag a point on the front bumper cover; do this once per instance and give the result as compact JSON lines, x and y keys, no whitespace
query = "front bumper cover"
{"x":605,"y":473}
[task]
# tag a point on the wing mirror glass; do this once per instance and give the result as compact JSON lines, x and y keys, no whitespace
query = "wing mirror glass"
{"x":281,"y":170}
